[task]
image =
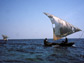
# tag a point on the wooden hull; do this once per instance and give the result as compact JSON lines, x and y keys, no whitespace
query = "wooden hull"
{"x":66,"y":44}
{"x":60,"y":44}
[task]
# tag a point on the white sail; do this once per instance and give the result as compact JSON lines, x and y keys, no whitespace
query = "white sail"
{"x":61,"y":28}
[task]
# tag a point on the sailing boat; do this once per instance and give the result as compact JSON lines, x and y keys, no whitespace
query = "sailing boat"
{"x":61,"y":29}
{"x":5,"y":37}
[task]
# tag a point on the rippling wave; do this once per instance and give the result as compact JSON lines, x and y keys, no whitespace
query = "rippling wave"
{"x":34,"y":51}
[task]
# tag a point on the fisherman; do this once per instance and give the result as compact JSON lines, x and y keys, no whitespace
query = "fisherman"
{"x":66,"y":40}
{"x":45,"y":41}
{"x":63,"y":42}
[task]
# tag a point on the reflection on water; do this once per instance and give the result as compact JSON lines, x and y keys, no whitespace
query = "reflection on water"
{"x":33,"y":51}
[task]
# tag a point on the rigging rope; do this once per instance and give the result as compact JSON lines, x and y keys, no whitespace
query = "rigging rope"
{"x":81,"y":36}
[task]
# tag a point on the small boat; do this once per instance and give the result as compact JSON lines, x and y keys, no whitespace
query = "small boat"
{"x":66,"y":44}
{"x":4,"y":39}
{"x":60,"y":44}
{"x":51,"y":44}
{"x":61,"y":29}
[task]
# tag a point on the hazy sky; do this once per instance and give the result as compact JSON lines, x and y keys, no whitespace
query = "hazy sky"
{"x":24,"y":19}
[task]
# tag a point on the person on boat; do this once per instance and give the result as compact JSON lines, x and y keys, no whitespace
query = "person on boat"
{"x":66,"y":40}
{"x":63,"y":42}
{"x":45,"y":41}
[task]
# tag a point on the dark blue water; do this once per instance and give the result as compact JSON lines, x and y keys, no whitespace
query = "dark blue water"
{"x":34,"y":51}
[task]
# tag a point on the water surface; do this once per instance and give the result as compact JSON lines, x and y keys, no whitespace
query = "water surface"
{"x":34,"y":51}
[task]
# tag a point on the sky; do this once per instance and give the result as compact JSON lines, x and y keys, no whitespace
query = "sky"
{"x":24,"y":19}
